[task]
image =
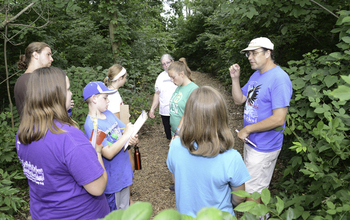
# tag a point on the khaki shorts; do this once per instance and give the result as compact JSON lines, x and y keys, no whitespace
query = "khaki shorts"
{"x":260,"y":166}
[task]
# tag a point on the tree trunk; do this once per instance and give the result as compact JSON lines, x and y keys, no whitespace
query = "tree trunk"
{"x":7,"y":72}
{"x":114,"y":41}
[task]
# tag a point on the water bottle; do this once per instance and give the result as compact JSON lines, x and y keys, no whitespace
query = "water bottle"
{"x":137,"y":156}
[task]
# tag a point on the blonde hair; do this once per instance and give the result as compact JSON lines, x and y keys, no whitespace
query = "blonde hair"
{"x":45,"y":103}
{"x":112,"y":72}
{"x":26,"y":58}
{"x":181,"y":66}
{"x":206,"y":123}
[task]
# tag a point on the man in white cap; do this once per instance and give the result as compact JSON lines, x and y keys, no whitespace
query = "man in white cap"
{"x":266,"y":96}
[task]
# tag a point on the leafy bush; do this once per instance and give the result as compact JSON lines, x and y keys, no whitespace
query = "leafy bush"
{"x":275,"y":206}
{"x":10,"y":170}
{"x":139,"y":88}
{"x":79,"y":77}
{"x":317,"y":178}
{"x":286,"y":209}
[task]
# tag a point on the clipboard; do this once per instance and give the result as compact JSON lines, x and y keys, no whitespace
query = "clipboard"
{"x":124,"y":113}
{"x":137,"y":125}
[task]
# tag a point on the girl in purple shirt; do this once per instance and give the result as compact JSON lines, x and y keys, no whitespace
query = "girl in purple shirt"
{"x":66,"y":175}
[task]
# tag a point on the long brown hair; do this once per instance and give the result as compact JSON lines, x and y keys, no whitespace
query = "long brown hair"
{"x":181,"y":66}
{"x":206,"y":123}
{"x":45,"y":103}
{"x":26,"y":58}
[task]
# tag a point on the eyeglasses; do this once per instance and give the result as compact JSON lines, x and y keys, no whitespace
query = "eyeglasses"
{"x":167,"y":63}
{"x":247,"y":54}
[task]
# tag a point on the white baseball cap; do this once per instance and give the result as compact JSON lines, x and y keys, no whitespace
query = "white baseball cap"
{"x":259,"y":42}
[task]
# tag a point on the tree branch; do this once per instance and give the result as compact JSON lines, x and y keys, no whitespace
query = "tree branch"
{"x":29,"y":26}
{"x":4,"y":23}
{"x":10,"y":76}
{"x":314,"y":37}
{"x":324,"y":8}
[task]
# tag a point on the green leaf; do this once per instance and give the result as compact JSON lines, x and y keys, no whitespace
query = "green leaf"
{"x":298,"y":210}
{"x":319,"y":110}
{"x":209,"y":213}
{"x":245,"y":206}
{"x":249,"y":216}
{"x":346,"y":19}
{"x":339,"y":209}
{"x":312,"y":167}
{"x":256,"y":195}
{"x":342,"y":93}
{"x":265,"y":196}
{"x":330,"y":205}
{"x":279,"y":128}
{"x":330,"y":80}
{"x":327,"y":107}
{"x":331,"y":211}
{"x":138,"y":211}
{"x":305,"y":214}
{"x":298,"y":83}
{"x":115,"y":215}
{"x":279,"y":205}
{"x":336,"y":55}
{"x":346,"y":79}
{"x":242,"y":193}
{"x":168,"y":214}
{"x":259,"y":210}
{"x":346,"y":207}
{"x":186,"y":217}
{"x":251,"y":13}
{"x":227,"y":216}
{"x":284,"y":30}
{"x":290,"y":214}
{"x":346,"y":39}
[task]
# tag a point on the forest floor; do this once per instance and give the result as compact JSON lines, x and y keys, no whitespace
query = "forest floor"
{"x":151,"y":183}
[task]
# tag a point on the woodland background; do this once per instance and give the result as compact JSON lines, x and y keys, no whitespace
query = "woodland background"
{"x":312,"y":43}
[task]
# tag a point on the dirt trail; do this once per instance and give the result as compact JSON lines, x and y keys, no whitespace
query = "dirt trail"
{"x":151,"y":184}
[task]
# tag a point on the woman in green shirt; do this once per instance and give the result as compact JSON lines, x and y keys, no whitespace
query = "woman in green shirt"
{"x":180,"y":75}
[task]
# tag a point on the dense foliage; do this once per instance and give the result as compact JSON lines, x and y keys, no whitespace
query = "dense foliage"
{"x":317,"y":178}
{"x":312,"y":42}
{"x":10,"y":172}
{"x":212,"y":36}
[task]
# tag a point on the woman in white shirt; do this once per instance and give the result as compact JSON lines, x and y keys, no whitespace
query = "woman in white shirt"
{"x":164,"y":89}
{"x":115,"y":79}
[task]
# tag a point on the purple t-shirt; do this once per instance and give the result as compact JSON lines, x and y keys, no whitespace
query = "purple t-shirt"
{"x":265,"y":92}
{"x":57,"y":166}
